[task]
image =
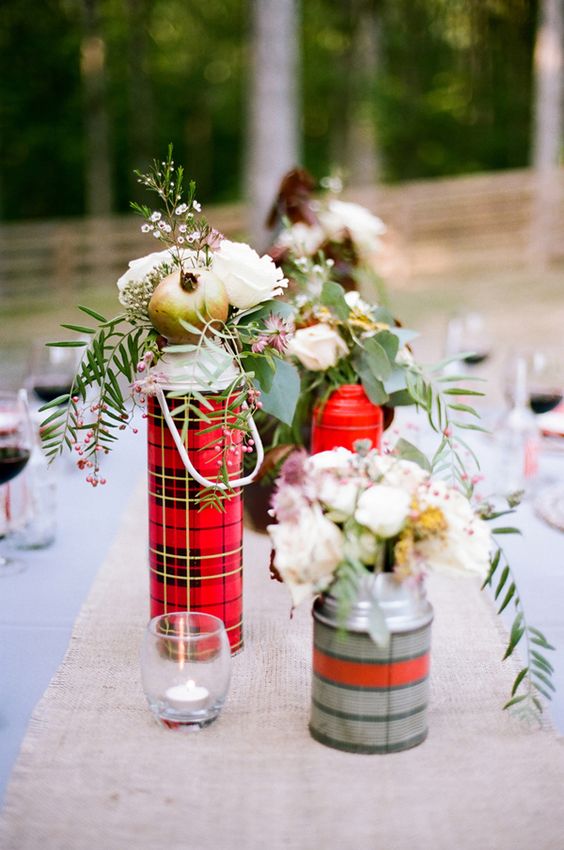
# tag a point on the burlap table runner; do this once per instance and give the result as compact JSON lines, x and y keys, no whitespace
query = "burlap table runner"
{"x":97,"y":773}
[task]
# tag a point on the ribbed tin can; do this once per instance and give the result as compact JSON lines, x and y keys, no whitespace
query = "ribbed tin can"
{"x":347,"y":415}
{"x":366,"y":699}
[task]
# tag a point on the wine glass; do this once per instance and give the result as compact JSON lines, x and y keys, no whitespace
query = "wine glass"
{"x":545,"y":380}
{"x":468,"y":335}
{"x":51,"y":371}
{"x":16,"y":443}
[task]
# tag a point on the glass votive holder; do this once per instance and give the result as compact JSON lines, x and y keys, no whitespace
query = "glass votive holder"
{"x":185,"y":669}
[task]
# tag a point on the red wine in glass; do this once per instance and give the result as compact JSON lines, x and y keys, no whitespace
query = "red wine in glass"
{"x":543,"y":401}
{"x":51,"y":387}
{"x":12,"y":461}
{"x":476,"y":358}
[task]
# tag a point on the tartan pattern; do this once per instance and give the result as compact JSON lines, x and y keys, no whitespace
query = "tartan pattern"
{"x":195,"y":556}
{"x":367,"y":699}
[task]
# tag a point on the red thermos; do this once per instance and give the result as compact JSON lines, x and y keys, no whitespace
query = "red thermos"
{"x":347,"y":415}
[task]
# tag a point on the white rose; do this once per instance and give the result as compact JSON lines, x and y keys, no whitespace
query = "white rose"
{"x":396,"y":472}
{"x":465,"y":546}
{"x":301,"y":238}
{"x":383,"y":509}
{"x":248,"y":278}
{"x":307,"y":552}
{"x":364,"y":228}
{"x":141,"y":267}
{"x":318,"y":347}
{"x":339,"y":459}
{"x":339,"y":497}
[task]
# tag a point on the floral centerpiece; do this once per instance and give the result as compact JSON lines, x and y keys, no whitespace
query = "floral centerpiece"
{"x":203,"y":297}
{"x":199,"y":342}
{"x":363,"y":529}
{"x":346,"y":233}
{"x":359,"y":514}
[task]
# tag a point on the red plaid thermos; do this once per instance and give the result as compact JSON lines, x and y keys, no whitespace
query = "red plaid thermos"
{"x":195,"y":553}
{"x":347,"y":415}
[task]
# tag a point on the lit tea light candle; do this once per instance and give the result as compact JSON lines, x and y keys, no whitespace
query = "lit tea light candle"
{"x":187,"y":695}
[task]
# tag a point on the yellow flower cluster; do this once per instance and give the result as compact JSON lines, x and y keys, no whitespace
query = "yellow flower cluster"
{"x":428,"y":523}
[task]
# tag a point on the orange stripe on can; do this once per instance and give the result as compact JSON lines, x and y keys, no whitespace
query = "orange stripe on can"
{"x":366,"y":675}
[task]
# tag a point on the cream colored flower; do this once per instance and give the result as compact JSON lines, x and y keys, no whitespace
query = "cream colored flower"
{"x":301,"y":238}
{"x":365,"y":229}
{"x":317,"y":347}
{"x":339,"y":497}
{"x":465,"y":546}
{"x":141,"y":267}
{"x":383,"y":509}
{"x":248,"y":279}
{"x":307,"y":552}
{"x":396,"y":472}
{"x":336,"y":460}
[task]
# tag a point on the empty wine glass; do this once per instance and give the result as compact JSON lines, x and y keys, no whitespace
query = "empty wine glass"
{"x":16,"y":443}
{"x":468,"y":336}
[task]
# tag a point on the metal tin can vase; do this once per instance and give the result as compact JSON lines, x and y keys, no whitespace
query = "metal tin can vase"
{"x":367,"y":699}
{"x":348,"y":415}
{"x":195,"y":552}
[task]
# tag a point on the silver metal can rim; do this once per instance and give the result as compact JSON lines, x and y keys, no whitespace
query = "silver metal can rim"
{"x":404,"y":608}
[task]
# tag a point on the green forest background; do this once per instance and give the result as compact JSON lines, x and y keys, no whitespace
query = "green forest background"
{"x":452,"y":93}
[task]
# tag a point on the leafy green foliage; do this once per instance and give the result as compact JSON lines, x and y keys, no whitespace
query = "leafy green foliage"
{"x":75,"y":420}
{"x":280,"y":393}
{"x":535,"y":678}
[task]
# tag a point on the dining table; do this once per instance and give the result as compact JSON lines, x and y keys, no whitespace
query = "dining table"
{"x":83,"y":763}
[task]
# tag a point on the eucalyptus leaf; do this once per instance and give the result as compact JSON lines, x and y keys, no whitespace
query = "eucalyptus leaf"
{"x":333,"y":296}
{"x":377,"y":627}
{"x":262,"y":311}
{"x":282,"y":396}
{"x":382,"y":314}
{"x":376,"y":358}
{"x":407,"y":451}
{"x":402,"y":398}
{"x":389,"y":342}
{"x":263,"y":373}
{"x":373,"y":388}
{"x":396,"y":382}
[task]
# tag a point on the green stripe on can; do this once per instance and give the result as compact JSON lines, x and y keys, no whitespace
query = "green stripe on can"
{"x":371,"y":718}
{"x":369,"y":749}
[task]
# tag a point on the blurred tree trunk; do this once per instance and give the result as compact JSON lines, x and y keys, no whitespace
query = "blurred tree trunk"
{"x":548,"y":68}
{"x":93,"y":70}
{"x":141,"y":104}
{"x":272,"y":145}
{"x":362,"y":156}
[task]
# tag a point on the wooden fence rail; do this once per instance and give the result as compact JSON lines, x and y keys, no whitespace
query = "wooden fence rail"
{"x":439,"y":226}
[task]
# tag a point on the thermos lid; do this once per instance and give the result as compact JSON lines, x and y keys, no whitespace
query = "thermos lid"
{"x":404,"y":605}
{"x":206,"y":370}
{"x":348,"y":406}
